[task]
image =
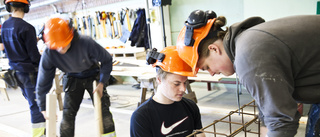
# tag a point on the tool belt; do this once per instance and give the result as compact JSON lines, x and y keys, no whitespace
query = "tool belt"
{"x":92,"y":71}
{"x":10,"y":79}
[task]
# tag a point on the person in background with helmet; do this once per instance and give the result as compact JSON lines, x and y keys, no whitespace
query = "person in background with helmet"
{"x":20,"y":42}
{"x":167,"y":113}
{"x":277,"y":61}
{"x":83,"y":61}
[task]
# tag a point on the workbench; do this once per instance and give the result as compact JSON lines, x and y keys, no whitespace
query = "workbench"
{"x":146,"y":75}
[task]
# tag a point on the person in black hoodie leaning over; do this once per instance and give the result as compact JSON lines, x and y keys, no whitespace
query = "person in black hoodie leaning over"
{"x":277,"y":61}
{"x":20,"y":42}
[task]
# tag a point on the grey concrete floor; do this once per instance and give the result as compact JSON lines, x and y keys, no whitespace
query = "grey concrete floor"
{"x":214,"y":104}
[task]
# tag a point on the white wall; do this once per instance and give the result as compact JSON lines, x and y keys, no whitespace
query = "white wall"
{"x":272,"y":9}
{"x":238,"y":10}
{"x":180,"y":10}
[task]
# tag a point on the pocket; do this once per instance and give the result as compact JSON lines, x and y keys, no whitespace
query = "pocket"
{"x":106,"y":98}
{"x":68,"y":83}
{"x":10,"y":79}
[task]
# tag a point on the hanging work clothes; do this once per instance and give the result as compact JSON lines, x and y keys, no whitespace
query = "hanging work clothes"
{"x":139,"y":36}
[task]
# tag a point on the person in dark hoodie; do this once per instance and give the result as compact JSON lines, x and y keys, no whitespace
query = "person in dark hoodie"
{"x":83,"y":61}
{"x":277,"y":61}
{"x":20,"y":43}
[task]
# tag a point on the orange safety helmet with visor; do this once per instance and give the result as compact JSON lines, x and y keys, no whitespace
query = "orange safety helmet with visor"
{"x":58,"y":33}
{"x":169,"y":60}
{"x":197,"y":27}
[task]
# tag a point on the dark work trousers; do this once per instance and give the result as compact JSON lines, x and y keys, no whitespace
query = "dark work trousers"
{"x":27,"y":83}
{"x":313,"y":124}
{"x":74,"y":90}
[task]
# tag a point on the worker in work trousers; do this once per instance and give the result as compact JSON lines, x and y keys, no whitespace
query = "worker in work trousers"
{"x":74,"y":86}
{"x":82,"y":60}
{"x":20,"y":41}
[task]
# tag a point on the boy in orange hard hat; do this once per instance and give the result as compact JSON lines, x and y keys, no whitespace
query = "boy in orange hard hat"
{"x":167,"y":113}
{"x":277,"y":61}
{"x":83,"y":61}
{"x":20,"y":42}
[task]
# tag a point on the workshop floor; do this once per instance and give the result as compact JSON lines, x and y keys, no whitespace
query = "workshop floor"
{"x":214,"y":104}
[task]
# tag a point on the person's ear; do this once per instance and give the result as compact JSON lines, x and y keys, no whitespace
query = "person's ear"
{"x":214,"y":48}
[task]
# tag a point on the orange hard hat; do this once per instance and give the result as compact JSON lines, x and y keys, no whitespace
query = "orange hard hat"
{"x":57,"y":33}
{"x":190,"y":37}
{"x":171,"y":62}
{"x":21,"y":1}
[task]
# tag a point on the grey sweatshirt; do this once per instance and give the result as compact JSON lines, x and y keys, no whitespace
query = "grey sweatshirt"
{"x":279,"y":63}
{"x":83,"y":53}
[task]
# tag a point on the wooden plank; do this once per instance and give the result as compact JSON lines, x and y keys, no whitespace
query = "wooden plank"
{"x":58,"y":88}
{"x":98,"y":114}
{"x":4,"y":92}
{"x":3,"y":89}
{"x":51,"y":114}
{"x":126,"y":50}
{"x":2,"y":82}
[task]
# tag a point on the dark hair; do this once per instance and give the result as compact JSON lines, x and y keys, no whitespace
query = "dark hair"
{"x":203,"y":50}
{"x":17,"y":6}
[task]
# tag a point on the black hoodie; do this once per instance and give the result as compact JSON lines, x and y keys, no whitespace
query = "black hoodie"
{"x":279,"y":64}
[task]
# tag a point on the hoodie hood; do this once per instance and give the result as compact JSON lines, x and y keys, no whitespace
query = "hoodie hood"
{"x":235,"y":30}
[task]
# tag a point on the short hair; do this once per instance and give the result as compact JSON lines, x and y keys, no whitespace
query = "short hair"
{"x":17,"y":6}
{"x":161,"y":73}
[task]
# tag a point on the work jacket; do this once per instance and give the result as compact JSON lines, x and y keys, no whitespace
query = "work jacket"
{"x":279,"y":64}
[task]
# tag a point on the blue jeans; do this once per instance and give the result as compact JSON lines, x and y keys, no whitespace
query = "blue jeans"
{"x":27,"y":83}
{"x":313,"y":125}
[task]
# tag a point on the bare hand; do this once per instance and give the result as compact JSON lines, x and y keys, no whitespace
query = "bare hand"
{"x":44,"y":113}
{"x":99,"y":89}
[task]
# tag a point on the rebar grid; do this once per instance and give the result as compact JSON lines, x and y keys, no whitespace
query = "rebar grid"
{"x":244,"y":124}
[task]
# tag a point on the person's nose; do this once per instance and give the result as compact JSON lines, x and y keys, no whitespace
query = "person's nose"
{"x":211,"y":72}
{"x":183,"y":87}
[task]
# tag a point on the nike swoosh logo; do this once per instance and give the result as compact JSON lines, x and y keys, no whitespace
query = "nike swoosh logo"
{"x":167,"y":130}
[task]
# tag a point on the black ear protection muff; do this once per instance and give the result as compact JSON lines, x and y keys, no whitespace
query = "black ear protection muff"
{"x":196,"y":19}
{"x":70,"y":23}
{"x":153,"y":56}
{"x":17,"y":4}
{"x":26,"y":7}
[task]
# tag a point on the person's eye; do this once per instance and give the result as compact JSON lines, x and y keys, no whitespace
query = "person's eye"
{"x":207,"y":68}
{"x":176,"y":84}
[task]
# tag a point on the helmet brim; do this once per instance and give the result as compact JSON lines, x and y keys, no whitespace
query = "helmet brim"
{"x":189,"y":54}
